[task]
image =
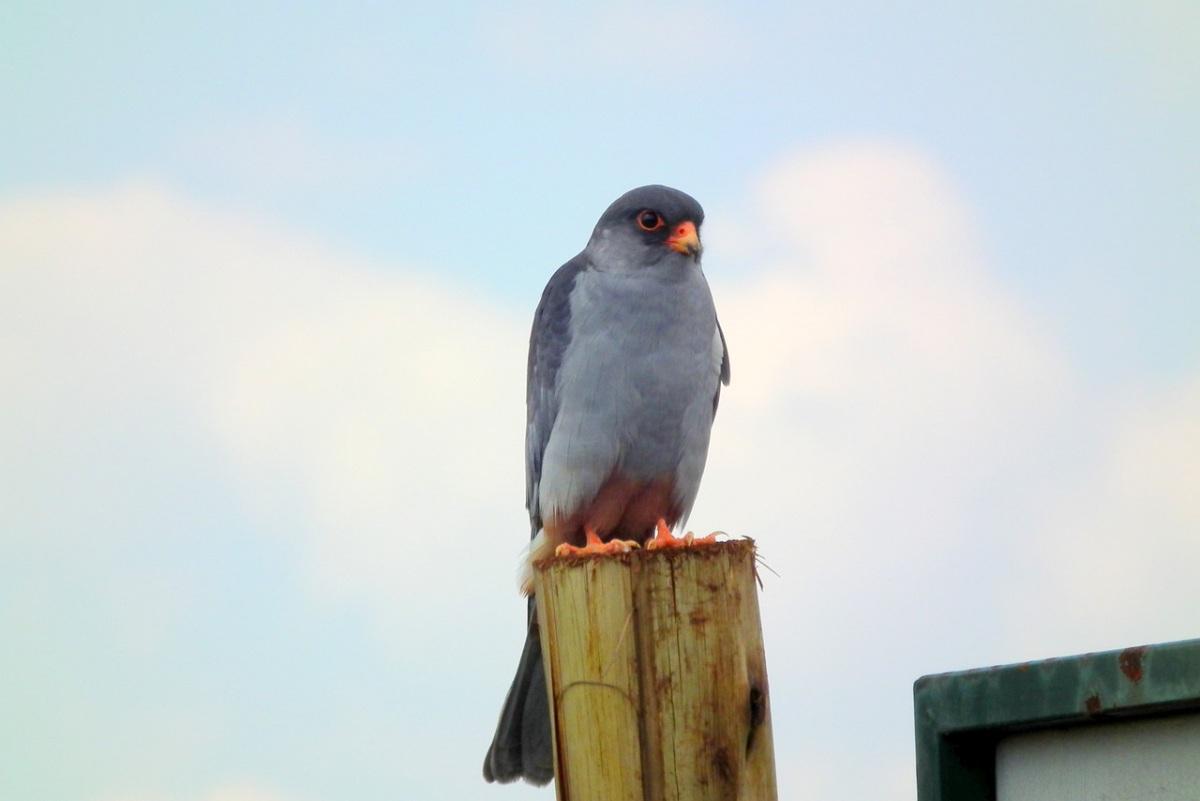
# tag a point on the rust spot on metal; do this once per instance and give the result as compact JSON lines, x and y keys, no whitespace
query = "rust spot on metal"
{"x":1130,"y":661}
{"x":758,"y":714}
{"x":1092,"y":704}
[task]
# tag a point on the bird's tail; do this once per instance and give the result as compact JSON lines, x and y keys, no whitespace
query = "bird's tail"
{"x":521,"y":748}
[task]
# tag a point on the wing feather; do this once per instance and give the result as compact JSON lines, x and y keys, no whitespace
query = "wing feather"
{"x":724,"y":368}
{"x":548,"y":342}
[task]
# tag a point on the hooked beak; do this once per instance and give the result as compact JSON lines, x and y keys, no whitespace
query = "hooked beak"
{"x":684,"y":239}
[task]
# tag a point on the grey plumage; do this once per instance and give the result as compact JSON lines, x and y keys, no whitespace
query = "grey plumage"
{"x":521,"y":746}
{"x":547,"y":344}
{"x":626,"y":362}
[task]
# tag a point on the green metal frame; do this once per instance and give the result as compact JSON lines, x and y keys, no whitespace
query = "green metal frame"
{"x":960,"y":717}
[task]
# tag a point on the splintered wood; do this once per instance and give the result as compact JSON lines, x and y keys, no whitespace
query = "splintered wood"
{"x":657,"y":678}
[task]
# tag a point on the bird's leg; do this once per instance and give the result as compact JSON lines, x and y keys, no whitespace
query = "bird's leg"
{"x":665,"y":539}
{"x":595,"y":546}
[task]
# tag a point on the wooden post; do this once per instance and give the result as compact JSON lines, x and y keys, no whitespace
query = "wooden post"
{"x":656,"y":674}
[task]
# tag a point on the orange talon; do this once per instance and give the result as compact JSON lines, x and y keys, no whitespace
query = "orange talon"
{"x":595,"y":546}
{"x":665,"y":539}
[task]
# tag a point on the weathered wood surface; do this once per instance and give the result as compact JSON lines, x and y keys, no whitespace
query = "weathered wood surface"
{"x":657,"y":676}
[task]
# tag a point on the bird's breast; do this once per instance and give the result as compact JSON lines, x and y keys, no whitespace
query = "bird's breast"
{"x":639,"y":355}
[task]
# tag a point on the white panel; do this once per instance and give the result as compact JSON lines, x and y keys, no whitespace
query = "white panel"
{"x":1153,"y":759}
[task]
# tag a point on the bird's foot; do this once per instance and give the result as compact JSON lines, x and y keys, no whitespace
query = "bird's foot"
{"x":665,"y":539}
{"x":601,"y":549}
{"x":596,"y":547}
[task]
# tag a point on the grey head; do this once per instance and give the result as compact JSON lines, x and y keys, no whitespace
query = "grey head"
{"x":645,"y":227}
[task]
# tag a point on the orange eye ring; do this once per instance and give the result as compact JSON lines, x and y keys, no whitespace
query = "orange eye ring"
{"x":649,"y":220}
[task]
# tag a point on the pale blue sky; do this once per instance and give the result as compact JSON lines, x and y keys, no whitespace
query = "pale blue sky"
{"x":218,"y":227}
{"x":1070,"y":127}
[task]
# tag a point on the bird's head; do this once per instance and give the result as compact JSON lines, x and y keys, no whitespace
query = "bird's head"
{"x":647,"y":226}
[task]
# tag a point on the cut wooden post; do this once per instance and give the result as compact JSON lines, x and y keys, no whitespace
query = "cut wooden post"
{"x":656,"y":673}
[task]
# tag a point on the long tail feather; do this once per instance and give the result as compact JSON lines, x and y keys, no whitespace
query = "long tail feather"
{"x":521,"y":748}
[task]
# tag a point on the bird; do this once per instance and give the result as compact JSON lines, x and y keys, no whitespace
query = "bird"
{"x":624,"y":375}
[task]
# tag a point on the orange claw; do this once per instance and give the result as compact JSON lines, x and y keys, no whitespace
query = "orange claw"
{"x":665,"y":539}
{"x":595,"y":547}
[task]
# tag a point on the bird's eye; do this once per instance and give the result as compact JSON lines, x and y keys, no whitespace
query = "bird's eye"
{"x":650,"y":220}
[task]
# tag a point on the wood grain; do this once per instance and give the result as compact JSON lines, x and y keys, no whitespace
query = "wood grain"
{"x":657,"y":676}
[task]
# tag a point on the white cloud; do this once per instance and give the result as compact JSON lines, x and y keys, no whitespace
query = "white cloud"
{"x":243,"y":792}
{"x":381,"y":403}
{"x":386,"y":406}
{"x":1112,"y":562}
{"x":238,"y":791}
{"x":880,"y":372}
